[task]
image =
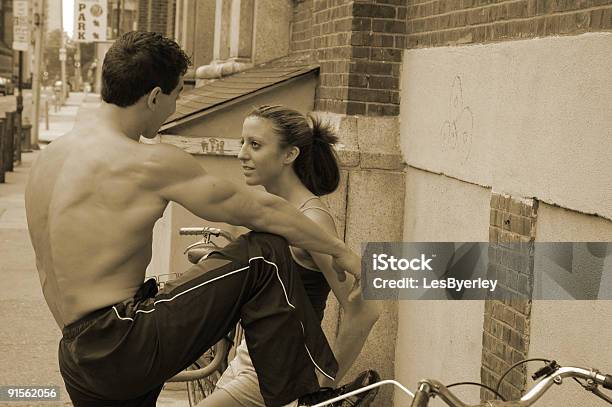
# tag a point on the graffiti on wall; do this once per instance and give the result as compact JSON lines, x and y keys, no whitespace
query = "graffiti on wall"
{"x":204,"y":145}
{"x":456,"y":133}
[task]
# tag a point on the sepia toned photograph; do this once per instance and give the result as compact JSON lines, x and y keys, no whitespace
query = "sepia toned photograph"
{"x":291,"y":203}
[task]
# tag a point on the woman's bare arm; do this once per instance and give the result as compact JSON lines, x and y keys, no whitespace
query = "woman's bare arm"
{"x":359,"y":315}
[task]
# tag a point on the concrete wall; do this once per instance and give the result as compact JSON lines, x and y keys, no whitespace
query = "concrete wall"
{"x":489,"y":114}
{"x":527,"y":118}
{"x":271,"y":29}
{"x":441,"y":339}
{"x":572,"y":332}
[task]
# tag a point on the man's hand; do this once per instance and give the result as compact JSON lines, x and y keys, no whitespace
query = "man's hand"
{"x":349,"y":262}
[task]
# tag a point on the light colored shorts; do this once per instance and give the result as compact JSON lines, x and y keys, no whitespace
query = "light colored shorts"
{"x":240,"y":379}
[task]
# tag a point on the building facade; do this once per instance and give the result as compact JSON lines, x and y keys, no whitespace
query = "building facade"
{"x":6,"y":38}
{"x":157,"y":16}
{"x":465,"y":121}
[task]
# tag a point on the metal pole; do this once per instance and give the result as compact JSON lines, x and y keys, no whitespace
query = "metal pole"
{"x":63,"y":55}
{"x":77,"y":66}
{"x":46,"y":113}
{"x":39,"y":23}
{"x":119,"y":16}
{"x":19,"y":115}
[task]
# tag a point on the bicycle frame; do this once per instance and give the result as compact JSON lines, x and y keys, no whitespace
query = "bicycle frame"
{"x":430,"y":388}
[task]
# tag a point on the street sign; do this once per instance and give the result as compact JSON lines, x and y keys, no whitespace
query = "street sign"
{"x":21,"y":25}
{"x":90,"y":20}
{"x":62,"y":54}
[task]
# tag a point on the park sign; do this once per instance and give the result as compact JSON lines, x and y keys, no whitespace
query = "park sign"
{"x":21,"y":25}
{"x":90,"y":20}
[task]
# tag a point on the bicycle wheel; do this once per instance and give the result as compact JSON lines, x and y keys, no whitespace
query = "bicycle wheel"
{"x":198,"y":390}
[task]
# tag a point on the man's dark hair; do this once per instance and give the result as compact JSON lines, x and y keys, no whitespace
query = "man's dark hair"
{"x":139,"y":61}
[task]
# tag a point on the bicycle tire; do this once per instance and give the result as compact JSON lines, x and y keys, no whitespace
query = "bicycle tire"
{"x":198,"y":390}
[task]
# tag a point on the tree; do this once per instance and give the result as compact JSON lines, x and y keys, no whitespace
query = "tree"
{"x":52,"y":64}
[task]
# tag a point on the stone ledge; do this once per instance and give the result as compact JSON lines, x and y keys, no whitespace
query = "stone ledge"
{"x":382,"y":161}
{"x":217,"y":70}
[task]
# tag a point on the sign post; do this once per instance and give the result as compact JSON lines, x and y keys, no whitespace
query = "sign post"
{"x":21,"y":42}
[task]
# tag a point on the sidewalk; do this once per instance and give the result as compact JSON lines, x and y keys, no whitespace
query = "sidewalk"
{"x":62,"y":121}
{"x":30,"y":337}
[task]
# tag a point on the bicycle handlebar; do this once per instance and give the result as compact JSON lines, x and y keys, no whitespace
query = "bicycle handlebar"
{"x":421,"y":397}
{"x":434,"y":388}
{"x":206,"y":231}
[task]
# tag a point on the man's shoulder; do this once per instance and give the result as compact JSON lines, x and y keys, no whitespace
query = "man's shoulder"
{"x":167,"y":164}
{"x":164,"y":157}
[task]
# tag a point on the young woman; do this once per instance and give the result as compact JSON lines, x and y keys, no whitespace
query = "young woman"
{"x":292,"y":156}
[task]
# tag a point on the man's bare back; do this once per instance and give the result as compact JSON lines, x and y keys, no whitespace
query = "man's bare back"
{"x":91,"y":221}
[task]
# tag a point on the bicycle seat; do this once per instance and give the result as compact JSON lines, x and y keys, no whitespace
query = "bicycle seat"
{"x":196,"y":254}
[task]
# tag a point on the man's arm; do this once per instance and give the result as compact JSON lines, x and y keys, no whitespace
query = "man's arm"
{"x":176,"y":176}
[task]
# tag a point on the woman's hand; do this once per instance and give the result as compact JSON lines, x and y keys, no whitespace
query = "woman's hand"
{"x":347,"y":262}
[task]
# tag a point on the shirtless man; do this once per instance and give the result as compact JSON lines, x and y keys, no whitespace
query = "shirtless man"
{"x":92,"y":199}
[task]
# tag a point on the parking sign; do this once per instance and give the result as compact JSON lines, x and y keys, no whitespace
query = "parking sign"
{"x":21,"y":25}
{"x":90,"y":20}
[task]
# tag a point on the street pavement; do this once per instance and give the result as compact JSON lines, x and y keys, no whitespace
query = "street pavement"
{"x":29,"y":336}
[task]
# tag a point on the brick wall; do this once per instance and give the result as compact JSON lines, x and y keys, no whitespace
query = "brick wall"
{"x":433,"y":23}
{"x":358,"y":45}
{"x":301,"y":29}
{"x":507,"y":321}
{"x":156,"y":16}
{"x":143,"y":15}
{"x":6,"y":37}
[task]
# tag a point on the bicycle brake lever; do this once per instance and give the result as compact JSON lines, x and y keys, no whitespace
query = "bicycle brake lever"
{"x":595,"y":390}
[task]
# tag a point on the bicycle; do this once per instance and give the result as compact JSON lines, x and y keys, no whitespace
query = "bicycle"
{"x":203,"y":374}
{"x":550,"y":374}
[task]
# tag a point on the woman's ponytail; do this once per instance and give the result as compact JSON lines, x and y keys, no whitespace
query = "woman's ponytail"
{"x":324,"y":161}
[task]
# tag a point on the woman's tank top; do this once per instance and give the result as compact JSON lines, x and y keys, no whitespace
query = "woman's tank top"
{"x":317,"y":287}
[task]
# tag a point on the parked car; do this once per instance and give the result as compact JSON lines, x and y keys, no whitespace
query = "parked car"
{"x":6,"y":86}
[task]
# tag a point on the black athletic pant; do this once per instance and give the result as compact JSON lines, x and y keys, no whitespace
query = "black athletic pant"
{"x":122,"y":355}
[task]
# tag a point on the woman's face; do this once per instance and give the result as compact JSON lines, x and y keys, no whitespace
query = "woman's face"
{"x":261,"y":155}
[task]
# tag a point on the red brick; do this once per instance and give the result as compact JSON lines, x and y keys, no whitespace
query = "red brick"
{"x":388,"y":26}
{"x":361,"y":52}
{"x":382,"y":40}
{"x":607,"y":19}
{"x":370,"y":95}
{"x":383,"y":82}
{"x":400,"y":41}
{"x":358,"y":81}
{"x":376,"y":68}
{"x":385,"y":54}
{"x":380,"y":11}
{"x":375,"y":109}
{"x":392,"y":2}
{"x":361,"y":38}
{"x":355,"y":108}
{"x":362,"y":24}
